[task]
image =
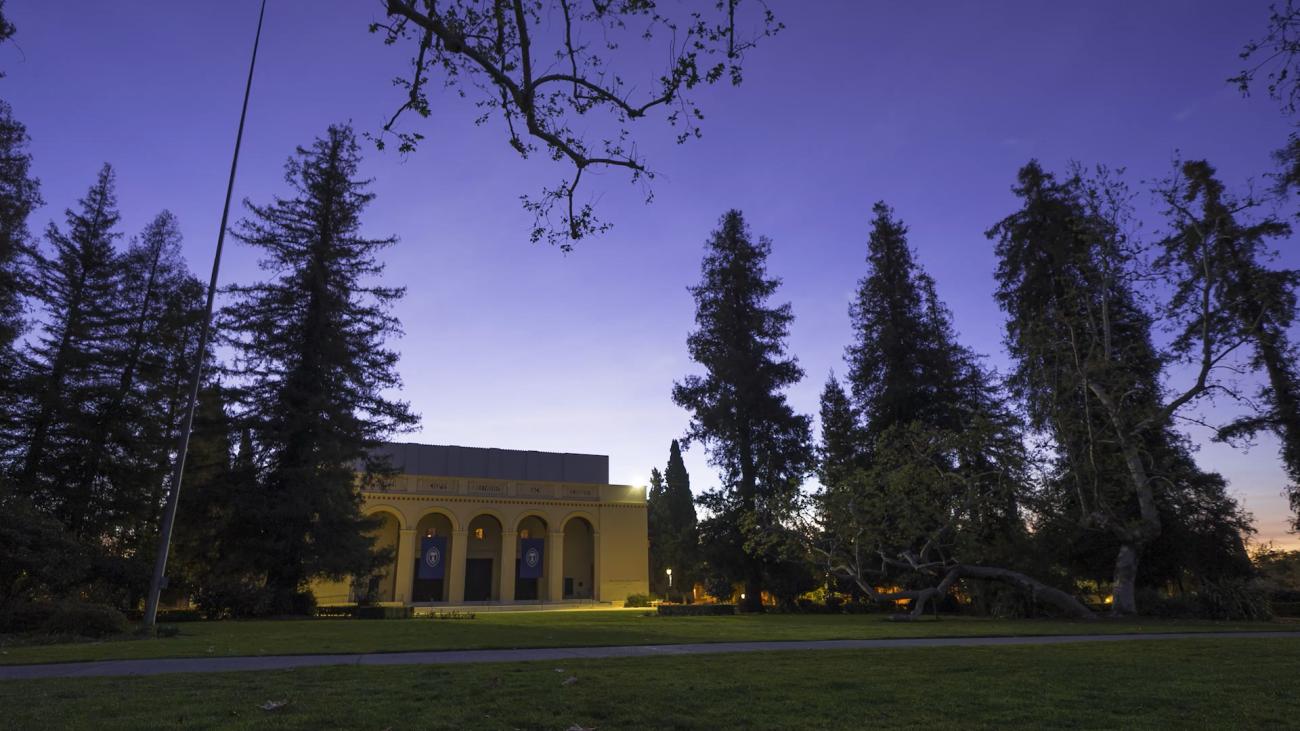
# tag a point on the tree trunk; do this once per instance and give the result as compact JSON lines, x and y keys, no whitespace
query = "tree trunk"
{"x":753,"y":594}
{"x":1123,"y":593}
{"x":1039,"y":591}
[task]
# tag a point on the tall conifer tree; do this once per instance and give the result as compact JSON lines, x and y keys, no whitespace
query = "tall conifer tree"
{"x":19,"y":195}
{"x":840,"y":450}
{"x":313,"y":368}
{"x":921,"y":406}
{"x":738,"y":407}
{"x":657,"y":530}
{"x":68,"y":373}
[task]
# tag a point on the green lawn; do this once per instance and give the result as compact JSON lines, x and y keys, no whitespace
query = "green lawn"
{"x":554,"y":629}
{"x":1169,"y":684}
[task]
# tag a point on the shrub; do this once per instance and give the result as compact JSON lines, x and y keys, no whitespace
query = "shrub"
{"x":167,"y":630}
{"x":450,"y":614}
{"x":172,"y":616}
{"x":337,"y":610}
{"x":1286,"y":609}
{"x":304,"y":604}
{"x":637,"y":600}
{"x":381,"y":612}
{"x":695,"y":610}
{"x":25,"y":618}
{"x":85,"y":620}
{"x":1234,"y":599}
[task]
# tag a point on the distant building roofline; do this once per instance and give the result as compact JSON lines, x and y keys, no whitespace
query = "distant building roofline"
{"x":497,"y":464}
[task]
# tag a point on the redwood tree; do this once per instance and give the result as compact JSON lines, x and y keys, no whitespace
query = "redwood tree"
{"x":313,"y":370}
{"x":738,"y":406}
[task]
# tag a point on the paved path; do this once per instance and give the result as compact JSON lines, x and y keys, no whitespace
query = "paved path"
{"x":556,"y":654}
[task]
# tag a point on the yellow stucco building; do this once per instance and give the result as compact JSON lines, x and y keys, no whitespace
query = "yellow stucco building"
{"x":495,"y":526}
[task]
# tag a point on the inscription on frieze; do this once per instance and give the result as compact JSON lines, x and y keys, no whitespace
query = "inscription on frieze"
{"x":487,"y":489}
{"x":533,"y":490}
{"x":581,"y":493}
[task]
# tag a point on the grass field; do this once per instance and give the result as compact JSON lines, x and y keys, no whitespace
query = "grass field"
{"x":556,"y":629}
{"x":1172,"y":684}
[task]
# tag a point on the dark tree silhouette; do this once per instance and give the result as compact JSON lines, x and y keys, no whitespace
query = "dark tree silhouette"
{"x":19,"y":195}
{"x":66,"y":375}
{"x":558,"y":74}
{"x":674,"y":539}
{"x":1259,"y":303}
{"x":312,"y":368}
{"x":924,"y":466}
{"x":1091,"y":373}
{"x":738,"y":408}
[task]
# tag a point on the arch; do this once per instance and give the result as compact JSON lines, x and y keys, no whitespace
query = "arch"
{"x":579,"y":557}
{"x":434,"y":524}
{"x":527,"y":513}
{"x":444,"y":512}
{"x":387,"y":509}
{"x":478,"y":512}
{"x":532,"y":526}
{"x":483,"y":557}
{"x":591,"y":519}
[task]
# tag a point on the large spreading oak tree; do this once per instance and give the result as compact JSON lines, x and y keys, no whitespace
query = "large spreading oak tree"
{"x":568,"y":79}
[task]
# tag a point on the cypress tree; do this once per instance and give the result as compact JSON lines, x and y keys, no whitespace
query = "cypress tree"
{"x":680,"y":504}
{"x":313,"y":368}
{"x":840,"y":451}
{"x":738,"y":408}
{"x":657,"y":526}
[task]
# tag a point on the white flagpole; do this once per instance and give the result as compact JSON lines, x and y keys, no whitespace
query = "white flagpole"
{"x":182,"y":448}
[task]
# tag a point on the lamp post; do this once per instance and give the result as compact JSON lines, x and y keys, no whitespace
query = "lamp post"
{"x":670,"y":584}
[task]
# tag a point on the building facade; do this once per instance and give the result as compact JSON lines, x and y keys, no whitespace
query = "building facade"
{"x":468,"y":525}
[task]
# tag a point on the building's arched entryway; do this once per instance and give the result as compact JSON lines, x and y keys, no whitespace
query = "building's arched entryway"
{"x":433,"y":557}
{"x":579,"y":559}
{"x":530,"y":560}
{"x":382,"y":587}
{"x":483,"y":559}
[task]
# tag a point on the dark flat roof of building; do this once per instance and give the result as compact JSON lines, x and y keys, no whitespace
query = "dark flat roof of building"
{"x":439,"y":460}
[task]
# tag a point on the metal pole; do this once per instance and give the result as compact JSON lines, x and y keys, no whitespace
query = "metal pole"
{"x":182,"y":448}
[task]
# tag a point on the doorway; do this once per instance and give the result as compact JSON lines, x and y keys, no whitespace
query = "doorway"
{"x":478,"y":580}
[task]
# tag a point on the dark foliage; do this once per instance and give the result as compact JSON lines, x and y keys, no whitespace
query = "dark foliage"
{"x":549,"y":69}
{"x":312,"y":371}
{"x":738,"y":408}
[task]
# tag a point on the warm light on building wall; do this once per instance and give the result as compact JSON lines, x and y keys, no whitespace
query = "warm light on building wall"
{"x":478,"y":533}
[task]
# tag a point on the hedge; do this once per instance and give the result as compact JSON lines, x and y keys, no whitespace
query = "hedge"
{"x":380,"y":612}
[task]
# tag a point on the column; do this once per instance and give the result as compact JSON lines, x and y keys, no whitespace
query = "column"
{"x":555,"y":566}
{"x":509,"y":550}
{"x":404,"y":564}
{"x":595,"y":580}
{"x":456,"y":568}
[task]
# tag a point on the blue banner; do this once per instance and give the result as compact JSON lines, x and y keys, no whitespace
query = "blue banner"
{"x":530,"y":557}
{"x":433,"y":556}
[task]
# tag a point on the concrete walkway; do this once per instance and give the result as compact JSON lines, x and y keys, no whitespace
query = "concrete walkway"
{"x":112,"y":668}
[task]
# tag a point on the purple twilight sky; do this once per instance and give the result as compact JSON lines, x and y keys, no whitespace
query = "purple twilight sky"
{"x":930,"y":106}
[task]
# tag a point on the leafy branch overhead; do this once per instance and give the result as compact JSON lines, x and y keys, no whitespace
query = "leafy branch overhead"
{"x":566,"y":79}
